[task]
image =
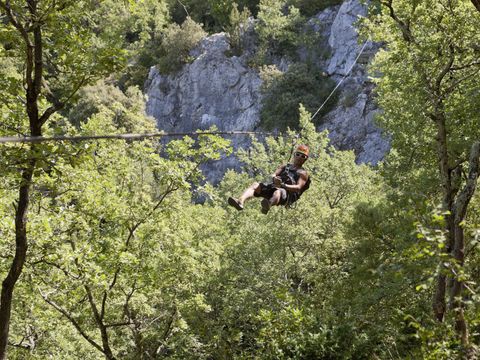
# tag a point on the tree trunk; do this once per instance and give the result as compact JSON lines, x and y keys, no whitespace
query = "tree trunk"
{"x":19,"y":259}
{"x":460,"y":209}
{"x":33,"y":78}
{"x":439,"y":302}
{"x":457,"y":288}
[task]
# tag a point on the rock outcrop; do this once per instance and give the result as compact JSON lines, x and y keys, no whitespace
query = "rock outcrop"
{"x":213,"y":90}
{"x":351,"y":123}
{"x":216,"y":89}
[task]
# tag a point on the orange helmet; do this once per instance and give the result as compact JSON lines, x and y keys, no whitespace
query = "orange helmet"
{"x":303,"y":149}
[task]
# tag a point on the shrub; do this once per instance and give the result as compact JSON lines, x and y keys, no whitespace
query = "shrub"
{"x":214,"y":14}
{"x":197,"y":10}
{"x":310,"y":8}
{"x":282,"y":92}
{"x":349,"y":99}
{"x":177,"y":43}
{"x":138,"y":25}
{"x":277,"y":30}
{"x":236,"y":29}
{"x":128,"y":108}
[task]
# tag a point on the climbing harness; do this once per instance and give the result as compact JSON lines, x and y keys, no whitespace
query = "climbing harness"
{"x":290,"y":176}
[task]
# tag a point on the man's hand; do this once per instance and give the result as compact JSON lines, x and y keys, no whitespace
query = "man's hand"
{"x":277,"y":181}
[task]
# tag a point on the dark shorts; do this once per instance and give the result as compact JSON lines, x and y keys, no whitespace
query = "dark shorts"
{"x":267,"y":190}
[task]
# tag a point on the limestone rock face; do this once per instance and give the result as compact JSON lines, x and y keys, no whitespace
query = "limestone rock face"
{"x":343,"y":37}
{"x":351,"y":123}
{"x":216,"y":89}
{"x":213,"y":90}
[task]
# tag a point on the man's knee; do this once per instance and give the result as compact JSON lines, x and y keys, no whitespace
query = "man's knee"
{"x":276,"y":197}
{"x":256,"y":187}
{"x":280,"y":195}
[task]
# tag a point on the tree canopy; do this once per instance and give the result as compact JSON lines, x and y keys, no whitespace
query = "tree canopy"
{"x":121,"y":249}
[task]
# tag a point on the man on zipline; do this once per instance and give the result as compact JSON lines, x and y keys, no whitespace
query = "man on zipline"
{"x":288,"y":183}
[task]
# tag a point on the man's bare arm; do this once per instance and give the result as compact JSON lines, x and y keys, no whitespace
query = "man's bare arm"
{"x":302,"y":180}
{"x":277,"y":173}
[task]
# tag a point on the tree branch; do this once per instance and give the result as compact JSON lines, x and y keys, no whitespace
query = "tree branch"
{"x":13,"y":19}
{"x":405,"y":28}
{"x":456,"y":83}
{"x":476,"y":3}
{"x":474,"y":63}
{"x":118,"y":324}
{"x":73,"y":321}
{"x":58,"y":105}
{"x":59,"y":267}
{"x":446,"y":69}
{"x":20,"y":345}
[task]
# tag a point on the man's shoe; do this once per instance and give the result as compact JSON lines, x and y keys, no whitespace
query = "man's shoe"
{"x":265,"y":206}
{"x":235,"y":203}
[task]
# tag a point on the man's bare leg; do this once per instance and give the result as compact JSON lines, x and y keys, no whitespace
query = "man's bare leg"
{"x":273,"y":201}
{"x":247,"y":194}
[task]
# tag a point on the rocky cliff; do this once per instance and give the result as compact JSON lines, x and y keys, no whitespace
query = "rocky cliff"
{"x":351,"y":123}
{"x":216,"y":89}
{"x":213,"y":90}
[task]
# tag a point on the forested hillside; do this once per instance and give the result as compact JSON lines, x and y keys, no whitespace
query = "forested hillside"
{"x":119,"y":248}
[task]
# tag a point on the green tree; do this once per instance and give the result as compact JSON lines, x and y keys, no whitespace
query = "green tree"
{"x":128,"y":107}
{"x":214,"y":14}
{"x":279,"y":272}
{"x":113,"y":256}
{"x":59,"y":55}
{"x":199,"y":11}
{"x":139,"y":25}
{"x":238,"y":22}
{"x":428,"y":94}
{"x":310,"y":8}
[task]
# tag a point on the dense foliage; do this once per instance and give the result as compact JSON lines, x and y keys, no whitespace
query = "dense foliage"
{"x":283,"y":91}
{"x":118,"y":261}
{"x":428,"y":92}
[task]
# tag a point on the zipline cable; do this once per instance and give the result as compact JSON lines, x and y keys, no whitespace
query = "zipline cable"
{"x":341,"y":81}
{"x":39,"y":139}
